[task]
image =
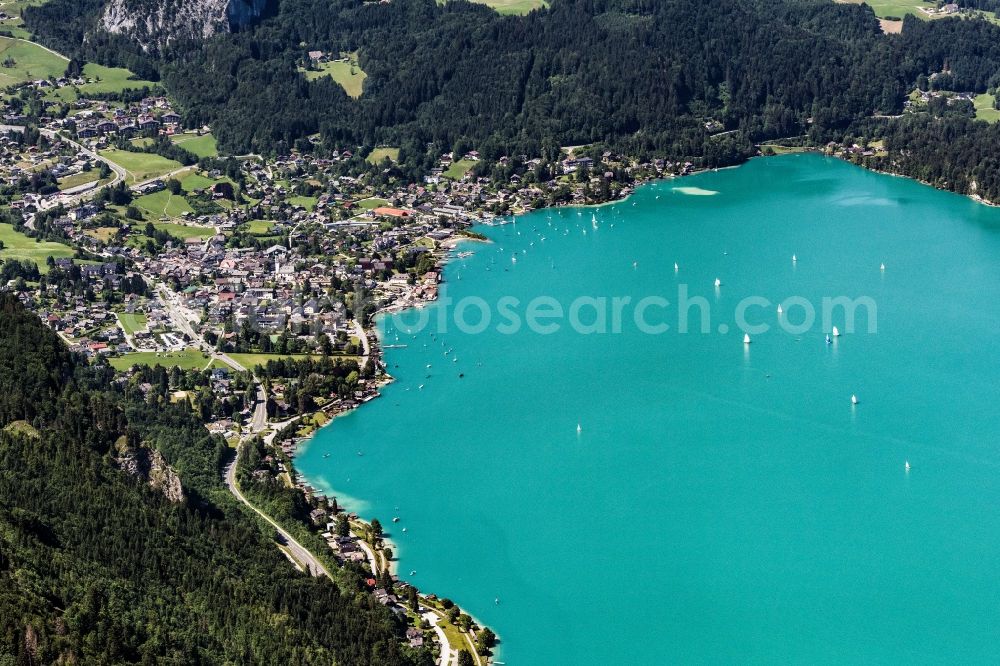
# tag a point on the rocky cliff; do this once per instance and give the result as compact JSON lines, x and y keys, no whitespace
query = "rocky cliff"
{"x":157,"y":24}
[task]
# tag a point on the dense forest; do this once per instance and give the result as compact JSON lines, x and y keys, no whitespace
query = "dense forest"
{"x":685,"y":79}
{"x":98,"y":565}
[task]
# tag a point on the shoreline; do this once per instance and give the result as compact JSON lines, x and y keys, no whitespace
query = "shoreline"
{"x":452,"y":244}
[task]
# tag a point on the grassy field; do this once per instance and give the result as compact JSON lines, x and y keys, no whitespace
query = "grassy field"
{"x":140,"y":166}
{"x":380,"y":154}
{"x":132,"y":322}
{"x":513,"y":6}
{"x":20,"y":247}
{"x":202,"y":146}
{"x":183,"y":231}
{"x":15,"y":8}
{"x":260,"y":227}
{"x":187,"y":359}
{"x":347,"y":73}
{"x":78,"y":179}
{"x":163,"y":203}
{"x":899,"y":8}
{"x":103,"y":234}
{"x":31,"y":62}
{"x":984,"y":108}
{"x":458,"y":169}
{"x":372,"y":203}
{"x":782,"y":150}
{"x":250,"y":361}
{"x":306,"y":202}
{"x":104,"y":80}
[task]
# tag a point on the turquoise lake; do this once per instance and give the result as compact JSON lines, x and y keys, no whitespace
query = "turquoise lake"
{"x":721,"y":502}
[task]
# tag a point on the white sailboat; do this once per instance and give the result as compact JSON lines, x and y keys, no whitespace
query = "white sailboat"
{"x":906,"y":466}
{"x":718,"y":282}
{"x":579,"y":428}
{"x":746,"y":338}
{"x":794,"y":258}
{"x":881,"y":267}
{"x":836,"y":333}
{"x":854,"y":399}
{"x":676,"y":267}
{"x":779,"y":308}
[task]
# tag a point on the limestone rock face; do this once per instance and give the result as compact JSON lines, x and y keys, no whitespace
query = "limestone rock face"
{"x":149,"y":465}
{"x":157,"y":23}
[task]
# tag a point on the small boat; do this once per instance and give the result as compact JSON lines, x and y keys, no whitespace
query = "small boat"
{"x":421,"y":387}
{"x":676,"y":267}
{"x":779,"y":308}
{"x":579,"y":428}
{"x":718,"y":282}
{"x":746,"y":338}
{"x":395,"y":519}
{"x":906,"y":466}
{"x":361,"y":453}
{"x":794,"y":258}
{"x":854,"y":399}
{"x":404,"y":529}
{"x":881,"y":267}
{"x":828,"y":340}
{"x":496,"y":601}
{"x":326,"y":455}
{"x":635,"y":264}
{"x":836,"y":333}
{"x":413,"y":572}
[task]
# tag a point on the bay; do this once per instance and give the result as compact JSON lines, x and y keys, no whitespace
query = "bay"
{"x":720,"y":502}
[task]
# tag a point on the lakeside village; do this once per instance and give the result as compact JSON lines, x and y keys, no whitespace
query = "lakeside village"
{"x":245,"y":287}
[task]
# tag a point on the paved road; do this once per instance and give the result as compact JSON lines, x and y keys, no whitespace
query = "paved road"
{"x":180,"y":320}
{"x":360,"y":332}
{"x":73,"y":199}
{"x":298,"y":551}
{"x":259,"y":421}
{"x":448,"y":655}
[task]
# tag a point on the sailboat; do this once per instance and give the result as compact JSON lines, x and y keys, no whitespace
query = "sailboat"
{"x":779,"y":308}
{"x":718,"y":282}
{"x":907,"y":466}
{"x":579,"y":428}
{"x":836,"y":333}
{"x":794,"y":258}
{"x":676,"y":267}
{"x":746,"y":338}
{"x":828,"y":340}
{"x":854,"y":399}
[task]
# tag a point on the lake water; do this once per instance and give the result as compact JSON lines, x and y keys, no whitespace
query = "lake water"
{"x":721,"y":502}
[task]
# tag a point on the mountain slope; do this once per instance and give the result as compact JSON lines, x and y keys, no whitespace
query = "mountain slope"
{"x":99,"y":566}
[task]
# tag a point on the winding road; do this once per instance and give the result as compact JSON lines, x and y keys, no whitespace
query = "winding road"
{"x":299,"y":552}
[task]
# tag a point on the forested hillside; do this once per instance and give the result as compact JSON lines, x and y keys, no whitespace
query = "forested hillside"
{"x":98,"y":566}
{"x":685,"y":79}
{"x":647,"y":75}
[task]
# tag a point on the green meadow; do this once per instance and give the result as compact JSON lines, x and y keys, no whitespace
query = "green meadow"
{"x":380,"y":154}
{"x":458,"y":169}
{"x":140,"y":166}
{"x":18,"y":246}
{"x":28,"y":62}
{"x":347,"y":73}
{"x":188,"y":359}
{"x":163,"y":203}
{"x":132,"y":322}
{"x":201,"y":146}
{"x":985,"y":109}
